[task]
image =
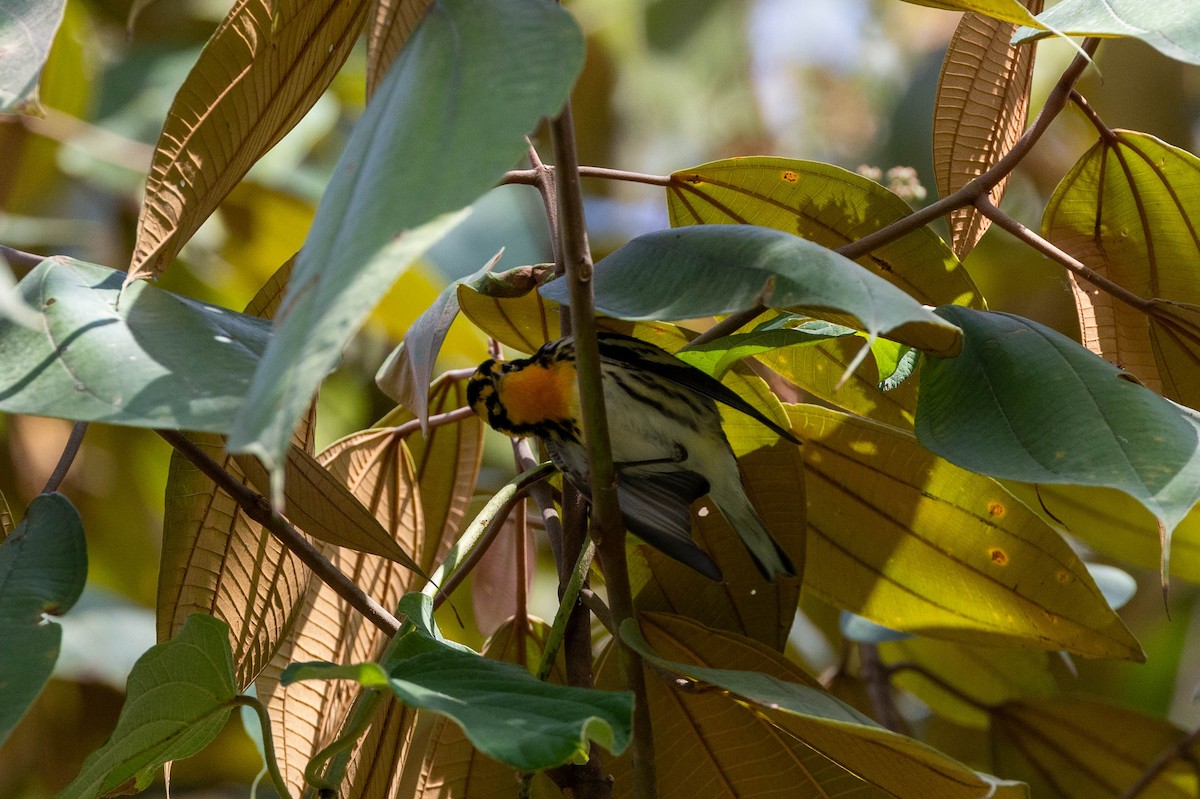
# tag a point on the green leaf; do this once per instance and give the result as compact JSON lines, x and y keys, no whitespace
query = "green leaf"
{"x":1170,"y":26}
{"x":178,"y":698}
{"x":43,"y":566}
{"x":27,"y":29}
{"x":709,"y":270}
{"x":153,"y":359}
{"x":716,"y":357}
{"x":906,"y":767}
{"x":505,"y":712}
{"x":449,"y":118}
{"x":1023,"y":402}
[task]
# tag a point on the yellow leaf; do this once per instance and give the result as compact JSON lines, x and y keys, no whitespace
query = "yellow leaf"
{"x":982,"y":104}
{"x":1127,"y":211}
{"x":917,"y":544}
{"x":261,"y":71}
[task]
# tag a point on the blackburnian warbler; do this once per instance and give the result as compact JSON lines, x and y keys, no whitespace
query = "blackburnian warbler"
{"x":667,"y":443}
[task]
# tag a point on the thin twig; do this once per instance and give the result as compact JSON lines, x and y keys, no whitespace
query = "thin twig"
{"x":257,"y":508}
{"x":1081,"y":270}
{"x":70,"y":450}
{"x":608,"y":529}
{"x":875,"y":675}
{"x":437,"y":420}
{"x":1181,"y":750}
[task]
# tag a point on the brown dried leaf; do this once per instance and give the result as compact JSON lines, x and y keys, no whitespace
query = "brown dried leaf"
{"x":308,"y":715}
{"x":447,"y":466}
{"x":982,"y":104}
{"x":258,"y":75}
{"x":392,"y":21}
{"x":320,"y":505}
{"x":707,"y":743}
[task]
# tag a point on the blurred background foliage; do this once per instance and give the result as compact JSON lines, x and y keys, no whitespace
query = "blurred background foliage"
{"x":668,"y":84}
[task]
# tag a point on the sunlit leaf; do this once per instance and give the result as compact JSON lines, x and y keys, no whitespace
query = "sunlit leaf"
{"x":261,"y":71}
{"x":1170,"y":26}
{"x":706,"y":270}
{"x":153,"y":359}
{"x":509,"y":309}
{"x":178,"y":698}
{"x":883,"y":510}
{"x":825,"y":204}
{"x":1127,"y":210}
{"x":982,"y":103}
{"x":1080,"y":749}
{"x":1008,"y":10}
{"x":715,"y":357}
{"x":503,"y":709}
{"x":43,"y":566}
{"x":27,"y":29}
{"x":941,"y":673}
{"x":448,"y":119}
{"x":902,"y":767}
{"x":1023,"y":402}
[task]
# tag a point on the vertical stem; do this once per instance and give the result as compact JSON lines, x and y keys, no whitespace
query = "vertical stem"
{"x":608,"y":529}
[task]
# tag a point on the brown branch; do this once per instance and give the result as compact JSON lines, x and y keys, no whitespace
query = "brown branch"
{"x":1181,"y":750}
{"x":70,"y":450}
{"x":1007,"y":223}
{"x":257,"y":508}
{"x":608,"y":529}
{"x":879,"y":690}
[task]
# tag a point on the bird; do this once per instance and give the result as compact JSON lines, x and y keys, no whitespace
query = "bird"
{"x":668,"y":446}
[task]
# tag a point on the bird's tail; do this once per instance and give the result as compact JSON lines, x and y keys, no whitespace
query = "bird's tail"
{"x":770,"y":558}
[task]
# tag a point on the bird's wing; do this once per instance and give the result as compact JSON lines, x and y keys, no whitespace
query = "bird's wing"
{"x":627,"y":351}
{"x":657,"y":509}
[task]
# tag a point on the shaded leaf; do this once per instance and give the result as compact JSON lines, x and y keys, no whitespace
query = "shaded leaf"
{"x":1175,"y":339}
{"x":154,"y":359}
{"x":988,"y":676}
{"x":708,"y":270}
{"x":27,"y":29}
{"x":43,"y":566}
{"x":1117,"y":524}
{"x":504,"y":710}
{"x":901,"y":766}
{"x":420,"y":152}
{"x":179,"y":695}
{"x":1023,"y":402}
{"x":715,"y":357}
{"x":1081,"y":749}
{"x":261,"y":71}
{"x":982,"y":104}
{"x":1170,"y":26}
{"x":1126,"y":210}
{"x":883,"y":510}
{"x":825,"y":204}
{"x":392,"y":23}
{"x":452,"y":766}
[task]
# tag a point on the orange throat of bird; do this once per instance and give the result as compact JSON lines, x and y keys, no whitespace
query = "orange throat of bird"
{"x":538,"y":394}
